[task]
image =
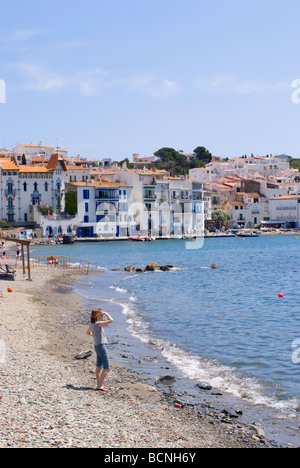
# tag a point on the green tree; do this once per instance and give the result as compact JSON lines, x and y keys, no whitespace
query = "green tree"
{"x":220,"y":218}
{"x":172,"y":161}
{"x":203,"y":155}
{"x":295,"y":163}
{"x":4,"y":224}
{"x":129,"y":164}
{"x":71,"y":203}
{"x":24,"y":162}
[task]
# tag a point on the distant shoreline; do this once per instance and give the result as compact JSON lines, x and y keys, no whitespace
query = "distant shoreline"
{"x":44,"y":241}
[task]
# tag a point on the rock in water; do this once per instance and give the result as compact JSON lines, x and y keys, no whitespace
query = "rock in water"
{"x":204,"y":386}
{"x":152,"y":266}
{"x":166,"y":380}
{"x":130,"y":269}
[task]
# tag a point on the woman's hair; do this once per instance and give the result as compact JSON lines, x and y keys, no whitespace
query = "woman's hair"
{"x":94,"y":315}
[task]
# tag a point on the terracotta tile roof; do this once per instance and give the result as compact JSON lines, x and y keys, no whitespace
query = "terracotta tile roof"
{"x":252,"y":195}
{"x":77,"y":168}
{"x":9,"y":164}
{"x":33,"y":169}
{"x":54,"y":160}
{"x":286,"y":197}
{"x":98,"y":184}
{"x":236,"y":203}
{"x":222,"y":186}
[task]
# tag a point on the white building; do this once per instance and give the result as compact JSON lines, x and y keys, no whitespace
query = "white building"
{"x":284,"y":211}
{"x":77,"y":174}
{"x":164,"y":205}
{"x":243,"y":167}
{"x":265,"y":166}
{"x":214,"y":170}
{"x":30,"y":150}
{"x":104,"y":209}
{"x":23,"y":187}
{"x":248,"y":210}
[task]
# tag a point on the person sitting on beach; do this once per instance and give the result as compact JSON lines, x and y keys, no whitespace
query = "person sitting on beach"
{"x":96,"y":330}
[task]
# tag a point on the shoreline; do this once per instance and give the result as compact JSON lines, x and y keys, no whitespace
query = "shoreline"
{"x":143,"y":357}
{"x":77,"y":240}
{"x":49,"y":398}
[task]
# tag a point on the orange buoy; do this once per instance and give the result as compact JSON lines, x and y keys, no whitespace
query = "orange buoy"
{"x":9,"y":290}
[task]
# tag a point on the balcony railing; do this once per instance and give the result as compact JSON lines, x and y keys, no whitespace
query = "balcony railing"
{"x":10,"y":192}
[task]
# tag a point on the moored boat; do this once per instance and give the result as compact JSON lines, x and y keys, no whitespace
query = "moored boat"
{"x":247,"y":234}
{"x":136,"y":239}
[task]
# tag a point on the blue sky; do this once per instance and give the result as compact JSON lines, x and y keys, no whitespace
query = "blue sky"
{"x":112,"y":78}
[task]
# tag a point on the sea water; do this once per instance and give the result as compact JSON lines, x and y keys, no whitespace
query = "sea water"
{"x":226,"y":326}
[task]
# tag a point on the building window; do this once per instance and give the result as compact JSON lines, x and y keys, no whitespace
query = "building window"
{"x":86,"y":207}
{"x":86,"y":219}
{"x":86,"y":194}
{"x":25,"y":186}
{"x":46,"y":186}
{"x":35,"y":186}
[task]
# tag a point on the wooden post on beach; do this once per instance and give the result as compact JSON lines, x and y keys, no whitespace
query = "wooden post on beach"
{"x":28,"y":262}
{"x":22,"y":242}
{"x":23,"y":259}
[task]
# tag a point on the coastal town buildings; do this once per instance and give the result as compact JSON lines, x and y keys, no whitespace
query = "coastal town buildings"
{"x":77,"y":174}
{"x":23,"y":187}
{"x":244,"y":188}
{"x":242,"y":167}
{"x":165,"y":205}
{"x":285,"y":211}
{"x":35,"y":150}
{"x":140,"y":199}
{"x":104,"y":209}
{"x":248,"y":210}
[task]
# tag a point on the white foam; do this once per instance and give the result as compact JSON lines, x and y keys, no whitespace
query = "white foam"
{"x":116,"y":288}
{"x":196,"y":368}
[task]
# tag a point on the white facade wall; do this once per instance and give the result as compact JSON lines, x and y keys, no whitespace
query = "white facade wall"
{"x":21,"y":190}
{"x":104,"y":211}
{"x":164,"y":206}
{"x":77,"y":174}
{"x":34,"y":150}
{"x":285,"y":209}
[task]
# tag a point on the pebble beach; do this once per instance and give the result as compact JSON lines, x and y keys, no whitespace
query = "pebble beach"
{"x":49,"y":398}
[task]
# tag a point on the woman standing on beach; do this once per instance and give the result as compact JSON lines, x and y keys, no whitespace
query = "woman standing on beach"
{"x":96,"y":330}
